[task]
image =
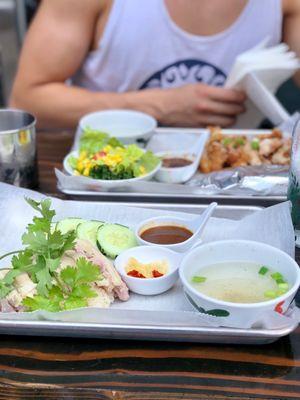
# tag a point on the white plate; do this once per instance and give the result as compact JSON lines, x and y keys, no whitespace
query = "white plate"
{"x":114,"y":183}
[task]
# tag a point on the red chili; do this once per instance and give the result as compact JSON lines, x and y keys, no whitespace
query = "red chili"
{"x":156,"y":274}
{"x":135,"y":274}
{"x":278,"y":308}
{"x":99,"y":155}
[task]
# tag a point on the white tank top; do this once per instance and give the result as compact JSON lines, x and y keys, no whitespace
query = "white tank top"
{"x":142,"y":47}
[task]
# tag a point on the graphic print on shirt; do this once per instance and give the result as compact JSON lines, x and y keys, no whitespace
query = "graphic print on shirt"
{"x":184,"y":72}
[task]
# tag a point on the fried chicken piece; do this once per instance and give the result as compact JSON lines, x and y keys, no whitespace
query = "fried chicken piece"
{"x":223,"y":151}
{"x":276,"y":133}
{"x":204,"y":165}
{"x":215,"y":134}
{"x":237,"y":157}
{"x":283,"y":155}
{"x":269,"y":146}
{"x":214,"y":158}
{"x":253,"y":156}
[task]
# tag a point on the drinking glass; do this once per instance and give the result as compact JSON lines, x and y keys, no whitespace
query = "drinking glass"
{"x":294,"y":181}
{"x":18,"y":159}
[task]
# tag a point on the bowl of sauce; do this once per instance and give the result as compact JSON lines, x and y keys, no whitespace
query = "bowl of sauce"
{"x":166,"y":234}
{"x":175,"y":162}
{"x":148,"y":270}
{"x":173,"y":233}
{"x":176,"y":167}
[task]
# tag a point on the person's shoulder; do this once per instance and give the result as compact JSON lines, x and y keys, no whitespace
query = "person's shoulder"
{"x":290,"y":7}
{"x":86,"y":6}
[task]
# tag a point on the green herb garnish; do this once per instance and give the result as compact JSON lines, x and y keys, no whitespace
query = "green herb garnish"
{"x":239,"y":142}
{"x":277,"y":276}
{"x":283,"y":287}
{"x":198,"y":279}
{"x":271,"y":294}
{"x":227,"y":141}
{"x":255,"y":144}
{"x":44,"y":248}
{"x":72,"y":289}
{"x":263,"y":270}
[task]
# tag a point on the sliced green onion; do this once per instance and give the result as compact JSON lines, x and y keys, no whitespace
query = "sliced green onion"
{"x":279,"y":281}
{"x":263,"y":270}
{"x":276,"y":276}
{"x":255,"y":144}
{"x":238,"y":142}
{"x":227,"y":141}
{"x":271,"y":294}
{"x":198,"y":279}
{"x":281,"y":292}
{"x":283,"y":286}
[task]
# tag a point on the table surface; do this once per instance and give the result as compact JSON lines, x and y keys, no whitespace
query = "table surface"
{"x":64,"y":368}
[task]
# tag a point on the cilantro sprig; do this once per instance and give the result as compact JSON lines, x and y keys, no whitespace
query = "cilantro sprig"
{"x":72,"y":289}
{"x":44,"y":247}
{"x":43,"y":250}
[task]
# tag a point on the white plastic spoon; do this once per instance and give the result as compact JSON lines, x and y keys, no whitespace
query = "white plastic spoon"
{"x":181,"y":174}
{"x":195,"y":225}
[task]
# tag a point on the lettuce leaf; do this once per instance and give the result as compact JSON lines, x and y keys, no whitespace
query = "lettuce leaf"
{"x":72,"y":161}
{"x":147,"y":162}
{"x":93,"y":141}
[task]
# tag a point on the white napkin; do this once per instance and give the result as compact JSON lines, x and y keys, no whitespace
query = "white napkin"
{"x":259,"y":72}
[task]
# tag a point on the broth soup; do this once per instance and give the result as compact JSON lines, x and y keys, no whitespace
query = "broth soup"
{"x":239,"y":282}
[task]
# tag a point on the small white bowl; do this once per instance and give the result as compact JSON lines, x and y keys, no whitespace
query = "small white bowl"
{"x":239,"y":315}
{"x":182,"y":174}
{"x":110,"y":183}
{"x":147,"y":254}
{"x":175,"y":174}
{"x":126,"y":125}
{"x":169,"y":221}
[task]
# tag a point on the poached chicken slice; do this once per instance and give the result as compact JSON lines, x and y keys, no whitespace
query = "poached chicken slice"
{"x":85,"y":249}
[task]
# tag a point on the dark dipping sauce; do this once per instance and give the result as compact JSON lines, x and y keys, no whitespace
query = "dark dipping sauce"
{"x":175,"y":162}
{"x":166,"y":234}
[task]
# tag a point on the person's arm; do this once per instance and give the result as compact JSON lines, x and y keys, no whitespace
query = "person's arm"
{"x":291,"y":28}
{"x":57,"y":44}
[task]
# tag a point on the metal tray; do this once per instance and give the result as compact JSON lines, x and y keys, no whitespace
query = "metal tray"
{"x":184,"y":197}
{"x":154,"y":332}
{"x":144,"y":332}
{"x":170,"y":198}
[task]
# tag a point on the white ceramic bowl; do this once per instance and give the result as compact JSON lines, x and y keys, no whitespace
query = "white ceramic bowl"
{"x":146,"y":254}
{"x":109,"y":183}
{"x":161,"y":221}
{"x":238,"y":314}
{"x":178,"y":174}
{"x":126,"y":125}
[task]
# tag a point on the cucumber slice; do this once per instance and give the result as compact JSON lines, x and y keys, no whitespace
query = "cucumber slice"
{"x":68,"y":224}
{"x":112,"y":239}
{"x":88,"y":231}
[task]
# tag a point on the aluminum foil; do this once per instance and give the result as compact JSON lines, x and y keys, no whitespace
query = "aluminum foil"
{"x":262,"y":180}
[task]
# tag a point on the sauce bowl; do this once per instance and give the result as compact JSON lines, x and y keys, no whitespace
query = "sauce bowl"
{"x":239,"y":315}
{"x":176,"y":174}
{"x":147,"y":254}
{"x":184,"y":173}
{"x":195,"y":225}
